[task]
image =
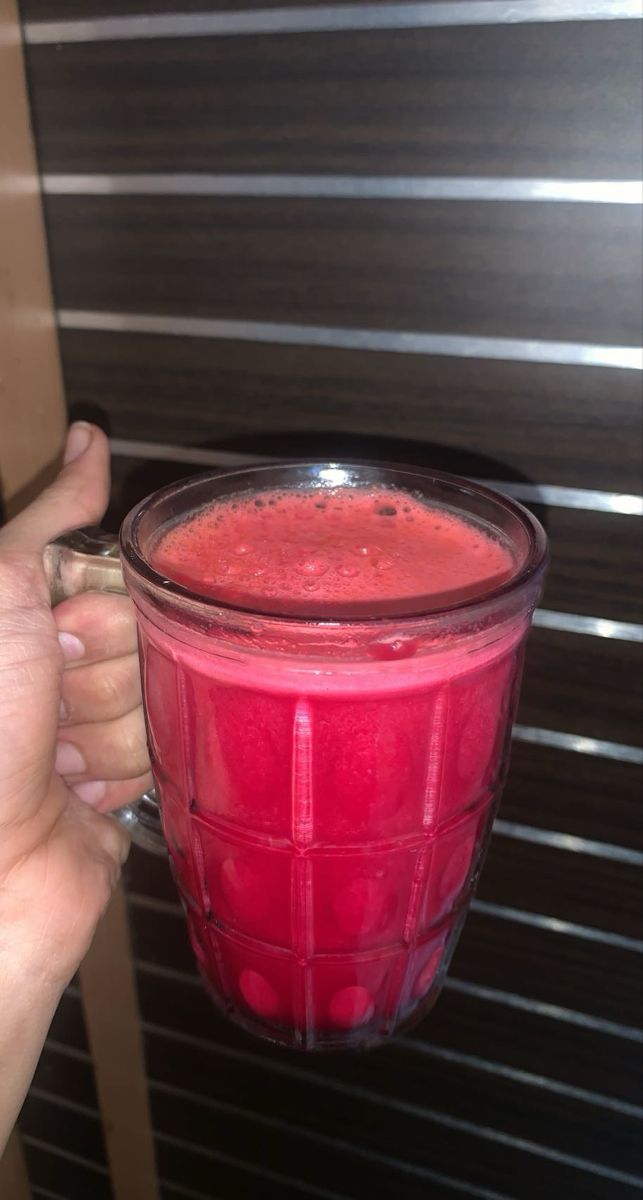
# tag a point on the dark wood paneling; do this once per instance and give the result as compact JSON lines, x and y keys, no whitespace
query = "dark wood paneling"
{"x":570,"y":886}
{"x":68,"y":1025}
{"x":70,"y":1180}
{"x":586,"y":685}
{"x":415,"y":1143}
{"x":580,"y":794}
{"x":566,"y":272}
{"x":596,"y":565}
{"x":568,"y":971}
{"x":596,"y":559}
{"x":500,"y":420}
{"x":69,"y":1130}
{"x":554,"y":100}
{"x":66,"y":1076}
{"x":395,"y":1073}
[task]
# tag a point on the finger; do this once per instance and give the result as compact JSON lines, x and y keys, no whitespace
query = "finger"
{"x":111,"y":842}
{"x":101,"y":691}
{"x":77,"y":497}
{"x":107,"y":795}
{"x":104,"y":626}
{"x":111,"y":750}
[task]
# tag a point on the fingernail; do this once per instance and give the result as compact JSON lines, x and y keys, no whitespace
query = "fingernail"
{"x":69,"y":760}
{"x":71,"y":646}
{"x":91,"y":792}
{"x":78,"y":439}
{"x":62,"y":711}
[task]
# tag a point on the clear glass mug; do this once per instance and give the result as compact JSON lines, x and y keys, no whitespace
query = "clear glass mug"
{"x":326,"y":786}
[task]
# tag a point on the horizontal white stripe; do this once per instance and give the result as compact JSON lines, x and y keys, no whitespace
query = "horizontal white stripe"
{"x":597,"y":1099}
{"x":350,"y":187}
{"x":554,"y":925}
{"x":181,"y":1190}
{"x":564,"y":497}
{"x":578,"y":744}
{"x":369,"y":340}
{"x":62,"y":1047}
{"x":247,"y":1168}
{"x":328,"y":18}
{"x":83,"y":1110}
{"x":624,"y":631}
{"x":567,"y":841}
{"x":76,"y":1159}
{"x":553,"y":1012}
{"x":553,"y":496}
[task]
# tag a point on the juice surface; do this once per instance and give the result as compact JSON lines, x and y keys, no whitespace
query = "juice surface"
{"x":325,"y":826}
{"x":336,"y":546}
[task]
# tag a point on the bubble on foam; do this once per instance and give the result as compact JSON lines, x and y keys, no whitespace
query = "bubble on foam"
{"x":313,"y":566}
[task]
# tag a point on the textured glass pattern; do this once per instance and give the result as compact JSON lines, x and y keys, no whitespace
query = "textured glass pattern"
{"x":325,"y":844}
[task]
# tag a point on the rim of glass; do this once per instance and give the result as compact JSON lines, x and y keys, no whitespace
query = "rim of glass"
{"x":534,"y":561}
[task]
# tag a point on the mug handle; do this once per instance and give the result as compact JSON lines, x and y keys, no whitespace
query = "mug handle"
{"x":89,"y":560}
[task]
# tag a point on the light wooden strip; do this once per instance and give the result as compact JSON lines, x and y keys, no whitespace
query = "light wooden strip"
{"x":110,"y":1005}
{"x":14,"y":1180}
{"x":32,"y":409}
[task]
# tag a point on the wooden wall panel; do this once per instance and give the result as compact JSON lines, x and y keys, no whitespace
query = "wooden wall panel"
{"x":568,"y":272}
{"x":65,"y":1174}
{"x":525,"y":100}
{"x":547,"y":424}
{"x":415,"y":1143}
{"x":580,"y":794}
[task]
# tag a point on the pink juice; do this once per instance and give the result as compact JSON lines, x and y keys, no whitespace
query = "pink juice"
{"x":326,"y":808}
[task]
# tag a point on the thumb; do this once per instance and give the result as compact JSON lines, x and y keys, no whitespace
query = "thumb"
{"x":77,"y":497}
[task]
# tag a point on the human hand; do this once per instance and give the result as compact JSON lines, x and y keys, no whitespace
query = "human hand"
{"x":73,"y":747}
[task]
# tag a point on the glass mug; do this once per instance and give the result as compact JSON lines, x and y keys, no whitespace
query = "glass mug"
{"x":326,"y":786}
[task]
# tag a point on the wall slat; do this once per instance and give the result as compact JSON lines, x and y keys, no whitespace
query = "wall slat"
{"x":545,"y":424}
{"x":509,"y":270}
{"x":538,"y":100}
{"x":65,"y":1176}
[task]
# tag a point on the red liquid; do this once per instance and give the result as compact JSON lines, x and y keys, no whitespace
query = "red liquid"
{"x":325,"y":818}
